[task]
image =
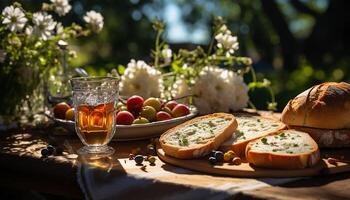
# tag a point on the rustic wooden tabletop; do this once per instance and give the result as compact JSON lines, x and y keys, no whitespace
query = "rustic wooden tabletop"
{"x":23,"y":167}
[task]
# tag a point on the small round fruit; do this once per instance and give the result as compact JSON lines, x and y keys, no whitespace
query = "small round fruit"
{"x":151,"y":160}
{"x":236,"y":161}
{"x":70,"y":114}
{"x":140,"y":120}
{"x":138,"y":159}
{"x":149,"y":113}
{"x":161,"y":116}
{"x":134,"y":103}
{"x":131,"y":156}
{"x":59,"y":111}
{"x":124,"y":118}
{"x":154,"y":102}
{"x":228,"y":156}
{"x":123,"y":108}
{"x":219,"y":156}
{"x":171,"y":104}
{"x":44,"y":152}
{"x":180,"y":110}
{"x":119,"y":105}
{"x":212,"y":153}
{"x":50,"y":149}
{"x":166,"y":109}
{"x":212,"y":160}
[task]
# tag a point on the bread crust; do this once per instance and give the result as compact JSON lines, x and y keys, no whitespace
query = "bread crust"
{"x":325,"y":106}
{"x":199,"y":150}
{"x":327,"y":138}
{"x":240,"y":147}
{"x":283,"y":161}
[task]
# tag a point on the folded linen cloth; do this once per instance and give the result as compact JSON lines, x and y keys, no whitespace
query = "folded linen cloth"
{"x":109,"y":178}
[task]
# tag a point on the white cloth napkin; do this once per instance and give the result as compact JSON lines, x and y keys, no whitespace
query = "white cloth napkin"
{"x":113,"y":183}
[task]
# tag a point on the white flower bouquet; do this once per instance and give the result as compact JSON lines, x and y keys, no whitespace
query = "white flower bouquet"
{"x":29,"y":49}
{"x":212,"y":79}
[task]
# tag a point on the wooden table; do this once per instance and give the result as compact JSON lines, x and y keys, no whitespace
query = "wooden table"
{"x":22,"y":167}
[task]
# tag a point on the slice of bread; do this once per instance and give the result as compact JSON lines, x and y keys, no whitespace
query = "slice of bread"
{"x":327,"y":138}
{"x":250,"y":127}
{"x":287,"y":149}
{"x":199,"y":136}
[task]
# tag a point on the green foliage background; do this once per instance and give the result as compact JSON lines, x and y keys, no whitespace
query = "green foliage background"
{"x":296,"y":44}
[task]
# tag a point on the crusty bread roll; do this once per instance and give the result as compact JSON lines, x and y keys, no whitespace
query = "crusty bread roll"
{"x":324,"y":106}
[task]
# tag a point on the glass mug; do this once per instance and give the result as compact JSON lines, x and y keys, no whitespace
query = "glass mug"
{"x":94,"y":100}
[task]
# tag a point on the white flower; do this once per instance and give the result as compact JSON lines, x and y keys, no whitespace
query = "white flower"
{"x":266,"y":82}
{"x":59,"y":28}
{"x":180,"y":89}
{"x":44,"y":25}
{"x":141,"y":79}
{"x":272,"y":106}
{"x":2,"y":55}
{"x":94,"y":20}
{"x":29,"y":30}
{"x":223,"y":29}
{"x":61,"y":7}
{"x":14,"y":18}
{"x":219,"y":90}
{"x":227,"y":41}
{"x":166,"y":54}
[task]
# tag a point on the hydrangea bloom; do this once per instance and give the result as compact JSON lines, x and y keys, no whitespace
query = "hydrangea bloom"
{"x":217,"y":90}
{"x":141,"y":79}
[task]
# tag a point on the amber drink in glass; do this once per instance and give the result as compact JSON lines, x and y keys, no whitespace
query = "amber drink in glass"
{"x":94,"y":100}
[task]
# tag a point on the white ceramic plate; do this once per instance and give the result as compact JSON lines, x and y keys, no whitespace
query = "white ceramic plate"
{"x":137,"y":131}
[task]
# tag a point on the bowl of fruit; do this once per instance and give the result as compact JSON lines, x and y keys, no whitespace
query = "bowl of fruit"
{"x":135,"y":118}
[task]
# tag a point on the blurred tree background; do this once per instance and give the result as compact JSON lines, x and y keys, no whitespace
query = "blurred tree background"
{"x":295,"y":43}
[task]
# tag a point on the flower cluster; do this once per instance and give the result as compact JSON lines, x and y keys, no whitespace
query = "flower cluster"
{"x":94,"y":20}
{"x":212,"y":79}
{"x":141,"y":79}
{"x":43,"y":25}
{"x":216,"y":90}
{"x":226,"y":41}
{"x":61,"y":7}
{"x":29,"y":47}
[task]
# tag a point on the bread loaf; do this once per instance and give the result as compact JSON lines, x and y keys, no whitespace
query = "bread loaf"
{"x":324,"y":106}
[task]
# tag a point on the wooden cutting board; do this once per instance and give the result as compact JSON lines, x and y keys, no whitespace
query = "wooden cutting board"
{"x":246,"y":170}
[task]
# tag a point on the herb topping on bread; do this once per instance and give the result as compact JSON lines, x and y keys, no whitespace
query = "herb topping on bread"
{"x":288,"y":149}
{"x":199,"y":136}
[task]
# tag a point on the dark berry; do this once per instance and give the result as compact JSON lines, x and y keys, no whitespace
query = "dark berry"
{"x":212,"y":160}
{"x":150,"y":150}
{"x":59,"y":151}
{"x":212,"y":153}
{"x":50,"y":149}
{"x":138,"y":159}
{"x":219,"y":156}
{"x":44,"y":152}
